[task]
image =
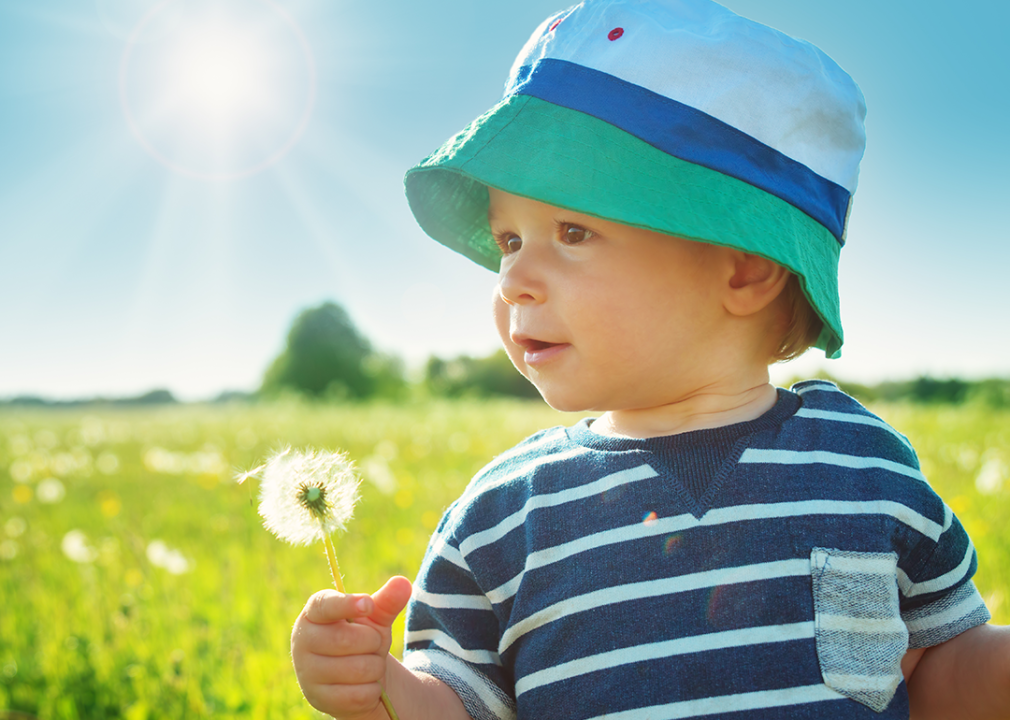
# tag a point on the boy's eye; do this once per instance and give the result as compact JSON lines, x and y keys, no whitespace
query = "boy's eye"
{"x":573,"y":234}
{"x":508,"y":243}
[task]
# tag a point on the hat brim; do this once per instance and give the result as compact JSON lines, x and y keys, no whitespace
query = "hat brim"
{"x":562,"y":157}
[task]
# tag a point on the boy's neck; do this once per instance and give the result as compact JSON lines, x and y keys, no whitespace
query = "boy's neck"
{"x":709,"y":408}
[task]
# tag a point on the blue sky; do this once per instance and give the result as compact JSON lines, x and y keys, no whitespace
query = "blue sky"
{"x":138,"y":250}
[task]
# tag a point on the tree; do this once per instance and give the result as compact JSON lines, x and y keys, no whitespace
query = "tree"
{"x":327,"y":356}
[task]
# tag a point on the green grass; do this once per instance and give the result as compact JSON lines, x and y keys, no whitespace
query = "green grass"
{"x":120,"y":636}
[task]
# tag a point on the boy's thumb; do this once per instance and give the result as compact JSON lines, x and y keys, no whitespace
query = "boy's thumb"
{"x":390,"y":600}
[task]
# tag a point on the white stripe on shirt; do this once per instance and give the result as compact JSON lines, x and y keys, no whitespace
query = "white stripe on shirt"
{"x":911,"y":589}
{"x":476,"y":489}
{"x":516,"y":519}
{"x":448,"y":643}
{"x":455,"y":602}
{"x":823,"y":457}
{"x":822,"y":386}
{"x":447,"y":552}
{"x":652,"y":588}
{"x":550,"y":436}
{"x":718,"y":516}
{"x":956,"y":612}
{"x":870,"y":626}
{"x":863,"y":683}
{"x":666,"y":648}
{"x":852,"y":418}
{"x":729,"y":703}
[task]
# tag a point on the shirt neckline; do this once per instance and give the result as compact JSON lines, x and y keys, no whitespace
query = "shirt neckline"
{"x":663,"y":450}
{"x":786,"y":405}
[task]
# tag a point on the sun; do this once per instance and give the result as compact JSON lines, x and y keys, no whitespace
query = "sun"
{"x":224,"y":91}
{"x":218,"y":77}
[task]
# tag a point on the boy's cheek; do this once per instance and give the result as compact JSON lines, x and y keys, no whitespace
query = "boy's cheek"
{"x":500,"y":314}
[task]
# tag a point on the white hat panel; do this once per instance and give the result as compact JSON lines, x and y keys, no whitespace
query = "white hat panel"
{"x":781,"y":91}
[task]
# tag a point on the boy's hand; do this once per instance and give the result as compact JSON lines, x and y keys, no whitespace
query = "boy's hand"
{"x":340,"y":644}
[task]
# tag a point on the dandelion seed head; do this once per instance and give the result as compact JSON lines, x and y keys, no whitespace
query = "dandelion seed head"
{"x":307,"y":495}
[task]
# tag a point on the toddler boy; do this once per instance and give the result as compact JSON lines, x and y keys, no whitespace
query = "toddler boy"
{"x":664,"y":192}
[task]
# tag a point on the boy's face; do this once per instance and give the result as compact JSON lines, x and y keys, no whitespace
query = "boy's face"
{"x":602,"y":316}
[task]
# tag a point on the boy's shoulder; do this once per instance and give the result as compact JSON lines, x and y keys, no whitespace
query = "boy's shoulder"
{"x":511,"y":467}
{"x":826,"y":395}
{"x":831,"y":420}
{"x":541,"y":465}
{"x":535,"y":454}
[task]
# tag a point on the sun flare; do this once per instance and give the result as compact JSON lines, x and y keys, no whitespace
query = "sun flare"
{"x":224,"y":92}
{"x":219,"y":76}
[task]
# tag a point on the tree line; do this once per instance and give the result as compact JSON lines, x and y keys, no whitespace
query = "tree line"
{"x":327,"y":358}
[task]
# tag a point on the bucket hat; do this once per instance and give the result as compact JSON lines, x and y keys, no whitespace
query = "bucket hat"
{"x":676,"y":116}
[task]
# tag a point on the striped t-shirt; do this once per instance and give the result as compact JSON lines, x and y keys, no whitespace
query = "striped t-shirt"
{"x":578,"y":577}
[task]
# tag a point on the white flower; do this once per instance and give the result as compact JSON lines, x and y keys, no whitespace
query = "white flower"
{"x":306,"y":496}
{"x":170,"y":559}
{"x":75,"y":546}
{"x":50,"y":491}
{"x":990,"y":477}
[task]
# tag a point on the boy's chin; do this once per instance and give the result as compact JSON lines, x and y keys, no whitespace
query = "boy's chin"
{"x":564,"y":402}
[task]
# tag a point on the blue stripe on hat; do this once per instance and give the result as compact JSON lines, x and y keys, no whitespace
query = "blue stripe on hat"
{"x":686,"y":133}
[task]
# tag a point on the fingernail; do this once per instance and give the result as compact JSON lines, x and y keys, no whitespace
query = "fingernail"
{"x":364,"y":605}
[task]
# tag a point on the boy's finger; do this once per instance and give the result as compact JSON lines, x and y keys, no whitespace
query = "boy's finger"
{"x":338,"y":699}
{"x":338,"y":639}
{"x":329,"y":606}
{"x":352,"y":670}
{"x":390,"y":600}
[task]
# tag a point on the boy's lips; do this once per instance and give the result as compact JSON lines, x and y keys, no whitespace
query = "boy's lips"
{"x":538,"y":351}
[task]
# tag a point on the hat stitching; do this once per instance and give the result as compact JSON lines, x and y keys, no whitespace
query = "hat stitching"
{"x":524,"y":99}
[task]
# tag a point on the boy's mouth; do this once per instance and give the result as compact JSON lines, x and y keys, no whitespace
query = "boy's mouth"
{"x":532,"y":344}
{"x":537,"y":351}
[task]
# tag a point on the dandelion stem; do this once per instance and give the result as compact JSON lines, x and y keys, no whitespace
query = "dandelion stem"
{"x":331,"y":559}
{"x":386,"y":703}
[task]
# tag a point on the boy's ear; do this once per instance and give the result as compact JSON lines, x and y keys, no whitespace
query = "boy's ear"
{"x":754,"y":283}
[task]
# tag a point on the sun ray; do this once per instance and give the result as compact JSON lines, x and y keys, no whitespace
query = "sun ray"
{"x":231,"y":92}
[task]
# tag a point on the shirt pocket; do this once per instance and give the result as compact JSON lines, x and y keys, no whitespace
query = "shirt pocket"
{"x":858,"y":629}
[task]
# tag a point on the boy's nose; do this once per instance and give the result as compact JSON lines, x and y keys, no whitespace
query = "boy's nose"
{"x":519,"y":281}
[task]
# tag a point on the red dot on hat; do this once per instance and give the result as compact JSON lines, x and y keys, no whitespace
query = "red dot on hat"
{"x":615,"y":33}
{"x":556,"y":23}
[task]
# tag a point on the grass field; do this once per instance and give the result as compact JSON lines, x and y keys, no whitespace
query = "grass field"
{"x":137,"y":581}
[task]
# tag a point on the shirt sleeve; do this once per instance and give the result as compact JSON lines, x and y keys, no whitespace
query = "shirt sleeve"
{"x":939,"y":600}
{"x":453,"y":633}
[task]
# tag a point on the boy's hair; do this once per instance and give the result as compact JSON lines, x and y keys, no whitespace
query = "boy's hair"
{"x":676,"y":116}
{"x":801,"y":323}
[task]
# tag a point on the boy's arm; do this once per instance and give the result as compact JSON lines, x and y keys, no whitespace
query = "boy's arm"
{"x":965,"y":678}
{"x":421,"y":697}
